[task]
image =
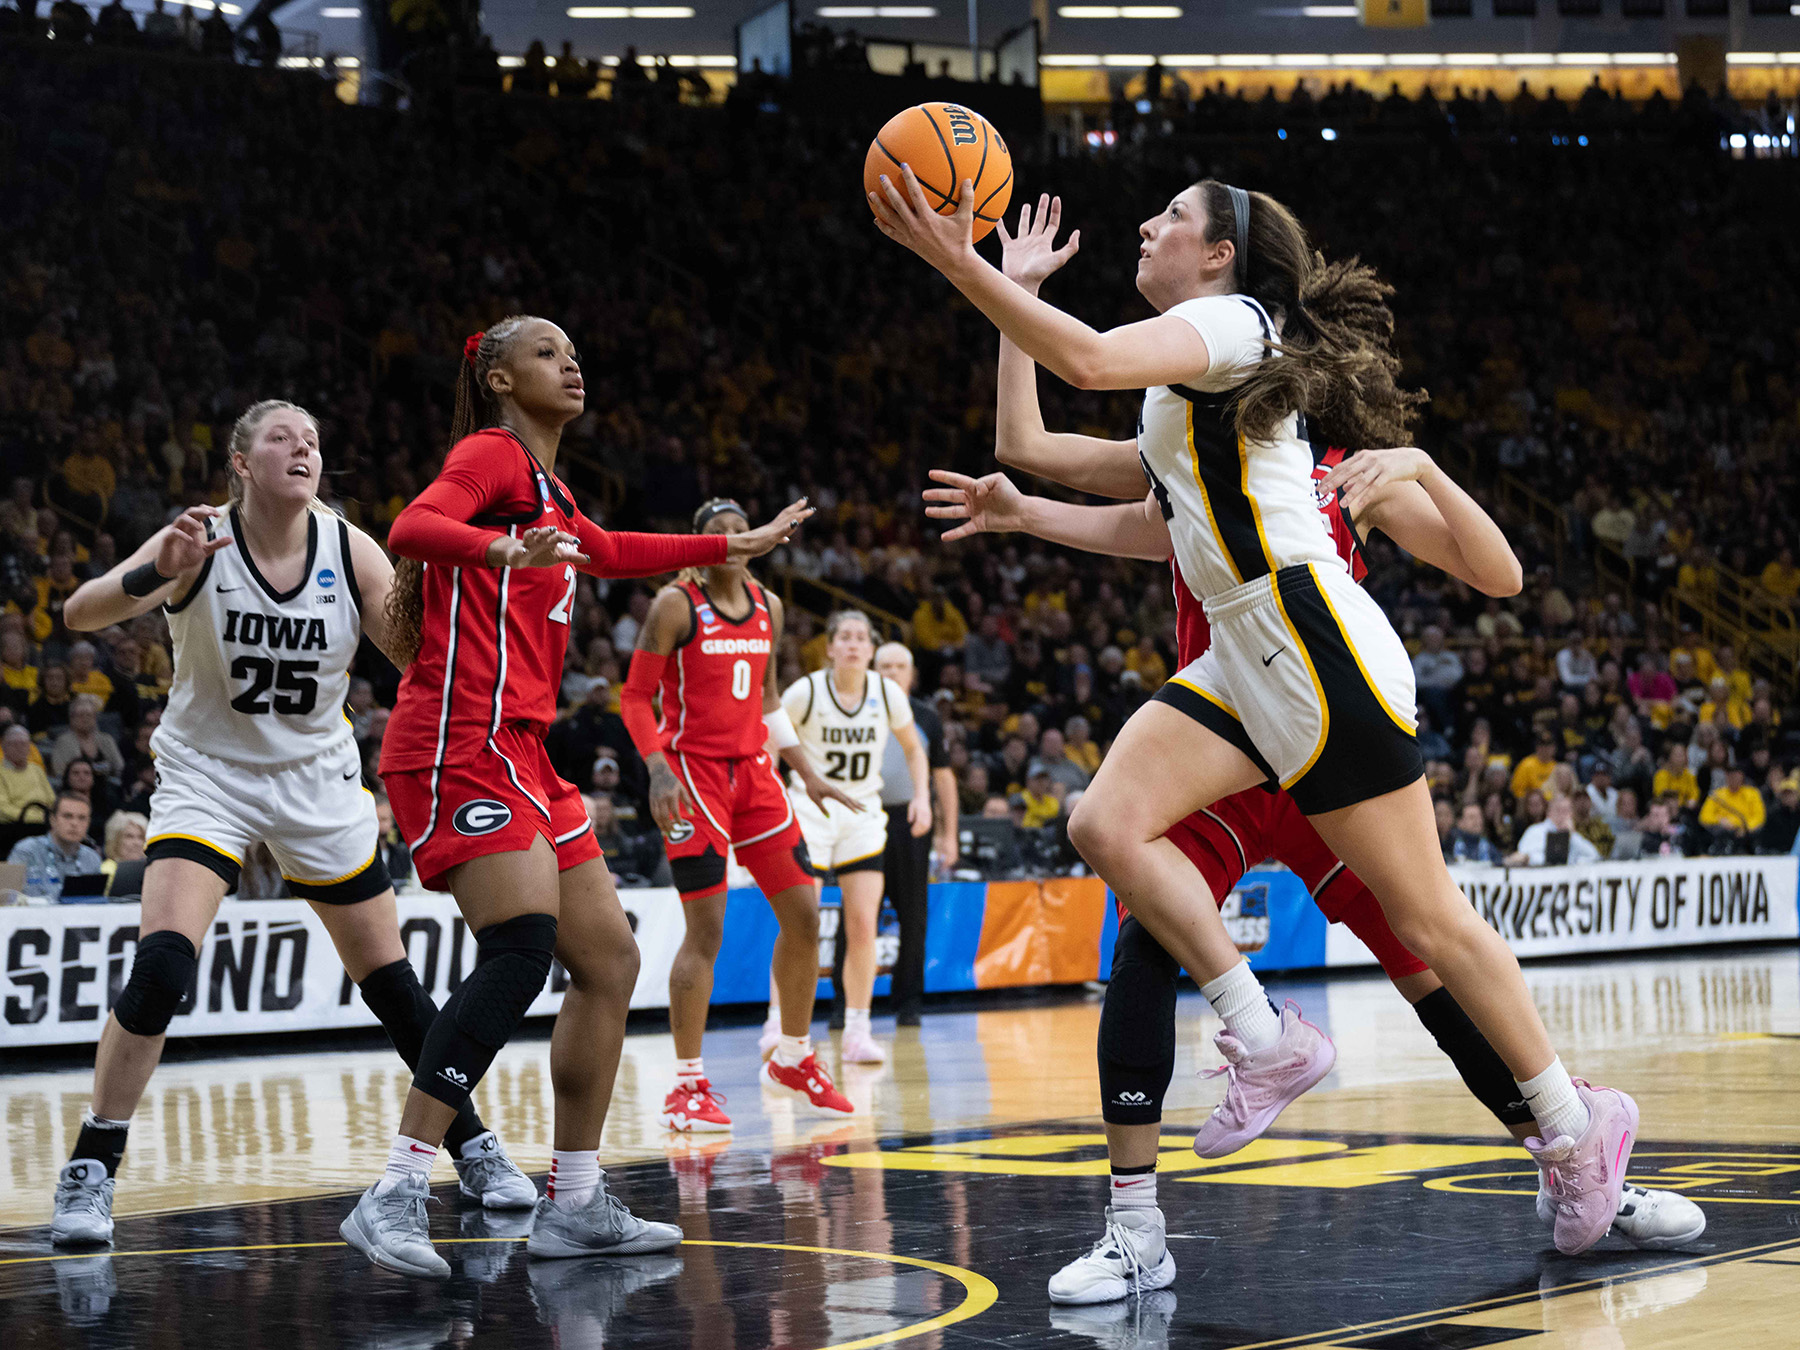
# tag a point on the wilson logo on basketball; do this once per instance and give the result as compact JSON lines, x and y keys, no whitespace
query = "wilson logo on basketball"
{"x":481,"y":816}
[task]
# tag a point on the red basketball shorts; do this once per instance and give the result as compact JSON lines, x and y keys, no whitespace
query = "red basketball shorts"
{"x":738,"y":803}
{"x":1230,"y":837}
{"x":499,"y":803}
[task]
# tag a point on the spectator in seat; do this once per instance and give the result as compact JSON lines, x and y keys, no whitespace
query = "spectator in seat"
{"x":162,"y":31}
{"x":1575,"y":664}
{"x":1054,"y":756}
{"x":1780,"y":580}
{"x":85,"y":740}
{"x":1041,"y":797}
{"x":938,"y":625}
{"x":1591,"y":825}
{"x":1734,"y":814}
{"x":1534,"y":771}
{"x":24,"y":786}
{"x":985,"y":654}
{"x":1676,"y":780}
{"x":1602,"y":795}
{"x":1781,"y":830}
{"x":125,"y":835}
{"x":1080,"y":746}
{"x":1467,"y":840}
{"x":1436,"y":672}
{"x":49,"y":859}
{"x":115,"y":27}
{"x":1553,"y":840}
{"x":393,"y":848}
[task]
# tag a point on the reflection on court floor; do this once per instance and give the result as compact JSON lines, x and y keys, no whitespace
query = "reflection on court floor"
{"x":1383,"y":1209}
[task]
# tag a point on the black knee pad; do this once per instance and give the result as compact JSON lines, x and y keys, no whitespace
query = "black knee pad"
{"x":1137,"y":1029}
{"x":512,"y":961}
{"x":402,"y":1006}
{"x":1483,"y":1071}
{"x":162,"y":974}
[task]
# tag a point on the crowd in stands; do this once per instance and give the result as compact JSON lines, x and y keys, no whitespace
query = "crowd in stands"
{"x":1611,"y":327}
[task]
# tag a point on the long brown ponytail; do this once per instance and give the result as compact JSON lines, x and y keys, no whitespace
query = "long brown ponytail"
{"x":1335,"y":360}
{"x":475,"y":409}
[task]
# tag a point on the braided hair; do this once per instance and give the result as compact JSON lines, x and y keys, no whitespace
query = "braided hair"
{"x":476,"y":407}
{"x":712,"y":506}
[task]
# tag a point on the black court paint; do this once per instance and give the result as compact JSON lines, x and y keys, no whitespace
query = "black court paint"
{"x":1347,"y":1239}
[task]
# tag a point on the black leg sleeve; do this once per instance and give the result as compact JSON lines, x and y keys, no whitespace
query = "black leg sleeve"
{"x":908,"y":887}
{"x":1480,"y":1065}
{"x":406,"y":1011}
{"x":1137,"y":1029}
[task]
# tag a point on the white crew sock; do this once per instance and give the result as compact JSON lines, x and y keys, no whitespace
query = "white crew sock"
{"x":574,"y":1177}
{"x":1555,"y":1104}
{"x":774,"y":1017}
{"x":792,"y":1051}
{"x":689,"y":1071}
{"x":1134,"y":1190}
{"x":856,"y":1022}
{"x":407,"y":1158}
{"x":1237,"y":996}
{"x":481,"y":1145}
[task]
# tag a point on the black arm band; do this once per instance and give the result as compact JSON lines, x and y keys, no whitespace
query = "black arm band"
{"x":143,"y":580}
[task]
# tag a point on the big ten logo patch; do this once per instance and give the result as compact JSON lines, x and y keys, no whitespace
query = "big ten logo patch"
{"x":1246,"y":916}
{"x":887,"y":937}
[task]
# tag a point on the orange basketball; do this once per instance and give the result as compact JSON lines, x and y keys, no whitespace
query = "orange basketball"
{"x":945,"y":143}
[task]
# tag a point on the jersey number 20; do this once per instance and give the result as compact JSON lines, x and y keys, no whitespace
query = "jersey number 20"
{"x":837,"y":761}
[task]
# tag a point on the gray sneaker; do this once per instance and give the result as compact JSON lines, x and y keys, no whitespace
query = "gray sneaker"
{"x":493,"y":1178}
{"x":392,"y":1230}
{"x":84,"y":1196}
{"x":601,"y":1227}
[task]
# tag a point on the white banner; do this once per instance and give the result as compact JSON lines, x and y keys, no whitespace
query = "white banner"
{"x":266,"y":966}
{"x":1620,"y":907}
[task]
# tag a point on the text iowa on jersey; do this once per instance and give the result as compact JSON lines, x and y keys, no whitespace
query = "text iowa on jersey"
{"x":276,"y":631}
{"x":847,"y":735}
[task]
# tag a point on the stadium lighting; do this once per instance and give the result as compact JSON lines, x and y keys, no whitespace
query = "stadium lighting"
{"x":340,"y":14}
{"x":1069,"y":61}
{"x":1750,"y":58}
{"x":1130,"y":60}
{"x":1472,"y":58}
{"x":1583,"y":59}
{"x":1327,"y":134}
{"x":631,"y":12}
{"x":876,"y":12}
{"x":1329,"y":11}
{"x":1415,"y":59}
{"x":1250,"y":62}
{"x":1118,"y":12}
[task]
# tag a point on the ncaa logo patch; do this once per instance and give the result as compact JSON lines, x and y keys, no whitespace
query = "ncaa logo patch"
{"x":678,"y":831}
{"x":484,"y":815}
{"x":327,"y":578}
{"x":706,"y":614}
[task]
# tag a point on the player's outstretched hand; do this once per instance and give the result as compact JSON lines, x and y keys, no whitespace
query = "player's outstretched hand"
{"x":545,"y":546}
{"x":755,"y":543}
{"x":1369,"y":475}
{"x":990,"y":505}
{"x":669,"y":800}
{"x":1031,"y":255}
{"x":821,"y":792}
{"x":185,"y":545}
{"x":901,"y":213}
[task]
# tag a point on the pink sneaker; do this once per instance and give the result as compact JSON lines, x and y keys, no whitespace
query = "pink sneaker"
{"x":859,"y":1048}
{"x":1586,"y":1176}
{"x":1260,"y":1086}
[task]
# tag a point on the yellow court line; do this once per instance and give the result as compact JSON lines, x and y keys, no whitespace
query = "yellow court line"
{"x":979,"y":1293}
{"x":1332,"y":1335}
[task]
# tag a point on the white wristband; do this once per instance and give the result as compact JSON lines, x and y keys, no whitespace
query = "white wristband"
{"x":781,"y":729}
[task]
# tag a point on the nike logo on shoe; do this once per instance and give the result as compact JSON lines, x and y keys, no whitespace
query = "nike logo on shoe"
{"x":1272,"y":656}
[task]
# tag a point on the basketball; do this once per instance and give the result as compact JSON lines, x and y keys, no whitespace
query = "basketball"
{"x":945,"y":143}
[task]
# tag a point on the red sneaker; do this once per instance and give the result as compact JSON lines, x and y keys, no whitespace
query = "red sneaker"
{"x":810,"y":1079}
{"x":699,"y":1109}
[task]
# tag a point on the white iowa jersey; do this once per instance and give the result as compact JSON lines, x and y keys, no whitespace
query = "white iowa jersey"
{"x":1236,"y":511}
{"x":845,"y":744}
{"x":261,"y":676}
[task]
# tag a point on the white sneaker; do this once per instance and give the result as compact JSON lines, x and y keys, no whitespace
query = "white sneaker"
{"x":1649,"y":1220}
{"x":860,"y":1048}
{"x":1135,"y":1324}
{"x":770,"y":1038}
{"x":392,"y":1230}
{"x":493,"y":1178}
{"x":601,"y":1227}
{"x":1131,"y":1257}
{"x":84,"y":1196}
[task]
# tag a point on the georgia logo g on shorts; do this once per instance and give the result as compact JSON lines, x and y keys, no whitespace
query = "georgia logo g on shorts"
{"x":679,"y":830}
{"x":484,"y":815}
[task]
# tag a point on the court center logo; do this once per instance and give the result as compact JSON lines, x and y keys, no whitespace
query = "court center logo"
{"x":484,"y":815}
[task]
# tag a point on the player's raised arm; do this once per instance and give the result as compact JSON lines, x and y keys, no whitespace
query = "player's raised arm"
{"x":621,"y":553}
{"x":993,"y":505}
{"x":1163,"y":350}
{"x":164,"y":565}
{"x":1084,"y":463}
{"x":1404,"y":494}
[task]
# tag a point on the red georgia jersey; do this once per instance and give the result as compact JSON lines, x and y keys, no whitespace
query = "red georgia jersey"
{"x":493,"y":637}
{"x":712,"y":688}
{"x":1193,"y":635}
